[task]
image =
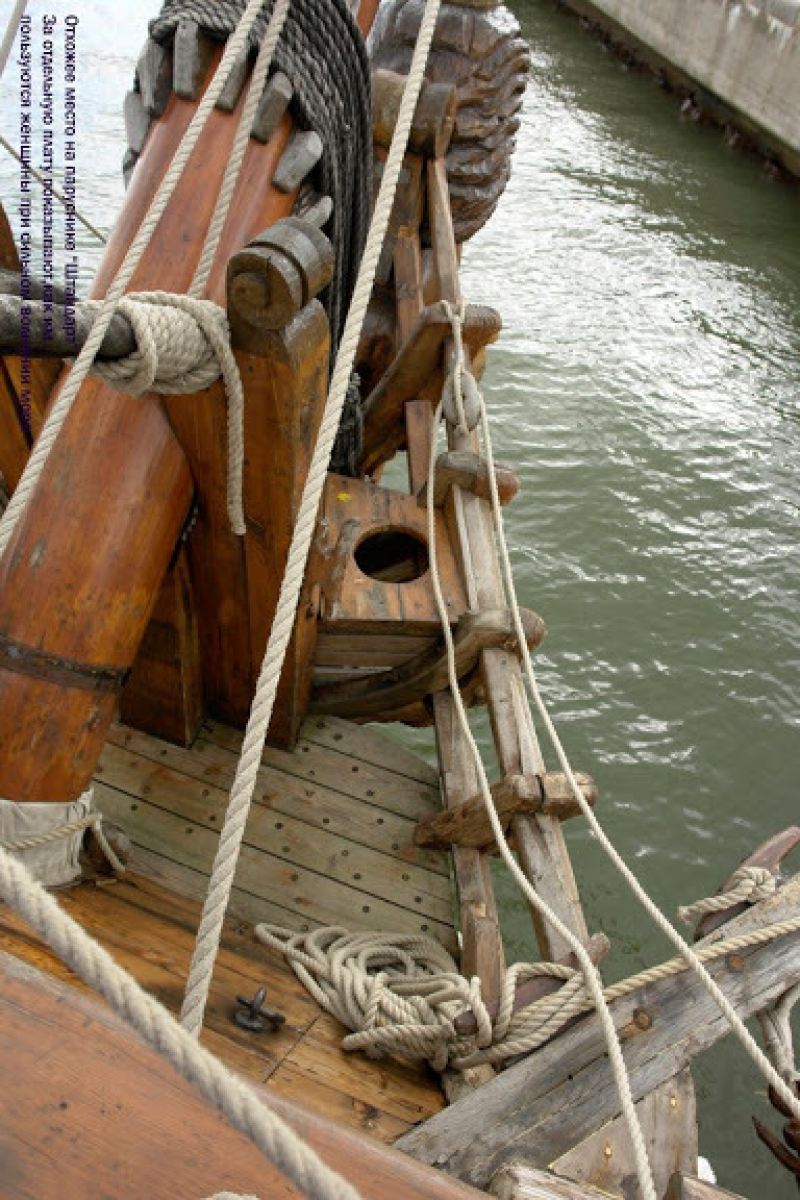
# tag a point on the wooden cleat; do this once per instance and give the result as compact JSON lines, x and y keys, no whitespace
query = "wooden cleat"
{"x":303,"y":152}
{"x":769,"y":854}
{"x":464,"y":469}
{"x":137,"y":121}
{"x":468,"y":824}
{"x":154,"y":75}
{"x":271,"y":107}
{"x":232,"y":90}
{"x":192,"y":53}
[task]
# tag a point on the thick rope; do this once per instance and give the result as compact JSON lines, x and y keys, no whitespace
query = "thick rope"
{"x":244,"y":783}
{"x":400,"y":994}
{"x":108,"y":306}
{"x":738,"y":1026}
{"x":226,"y":1091}
{"x":748,"y":884}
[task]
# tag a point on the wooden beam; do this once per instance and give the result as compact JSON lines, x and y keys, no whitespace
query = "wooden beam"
{"x":482,"y":946}
{"x":417,"y":361}
{"x":164,"y":692}
{"x":77,"y":1081}
{"x":286,"y":389}
{"x":468,"y":824}
{"x":689,"y":1187}
{"x":563,"y":1092}
{"x":425,"y":673}
{"x":668,"y":1121}
{"x":518,"y":1181}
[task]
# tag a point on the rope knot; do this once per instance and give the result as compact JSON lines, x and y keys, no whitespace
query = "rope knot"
{"x":183,"y":346}
{"x":748,"y":885}
{"x":176,"y":344}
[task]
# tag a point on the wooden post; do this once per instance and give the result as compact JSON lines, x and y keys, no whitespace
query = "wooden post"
{"x":83,"y":571}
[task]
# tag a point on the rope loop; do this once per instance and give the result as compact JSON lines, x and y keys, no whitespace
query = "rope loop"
{"x":183,"y":346}
{"x":748,"y":885}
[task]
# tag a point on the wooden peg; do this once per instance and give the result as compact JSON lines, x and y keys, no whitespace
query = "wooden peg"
{"x":154,"y":73}
{"x":232,"y":90}
{"x":137,"y":121}
{"x":191,"y":57}
{"x":312,"y":207}
{"x":464,"y":469}
{"x":273,"y":278}
{"x":468,"y":824}
{"x":271,"y":106}
{"x":303,"y":152}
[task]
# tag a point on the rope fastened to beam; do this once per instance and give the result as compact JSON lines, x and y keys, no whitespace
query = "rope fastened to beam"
{"x":183,"y":346}
{"x":748,"y":885}
{"x":108,"y":305}
{"x":400,"y":994}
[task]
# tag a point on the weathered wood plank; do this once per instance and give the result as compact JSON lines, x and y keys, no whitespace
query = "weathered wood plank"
{"x":518,"y":1181}
{"x":687,"y":1187}
{"x":315,"y":897}
{"x":317,"y":782}
{"x":482,"y":945}
{"x":370,"y":746}
{"x":559,"y":1095}
{"x":279,"y":834}
{"x":66,"y":1057}
{"x":668,"y":1120}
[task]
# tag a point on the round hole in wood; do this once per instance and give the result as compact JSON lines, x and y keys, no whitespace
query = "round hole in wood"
{"x":392,"y":556}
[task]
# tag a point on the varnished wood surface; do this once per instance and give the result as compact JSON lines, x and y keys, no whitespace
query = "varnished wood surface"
{"x":150,"y":929}
{"x":89,"y":1110}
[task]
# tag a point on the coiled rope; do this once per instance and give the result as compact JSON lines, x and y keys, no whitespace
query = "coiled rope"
{"x":400,"y":994}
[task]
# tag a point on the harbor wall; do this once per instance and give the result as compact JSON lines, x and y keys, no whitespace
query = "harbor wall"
{"x":745,"y":57}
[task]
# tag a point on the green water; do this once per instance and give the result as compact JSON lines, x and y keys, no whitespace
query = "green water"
{"x":646,"y":386}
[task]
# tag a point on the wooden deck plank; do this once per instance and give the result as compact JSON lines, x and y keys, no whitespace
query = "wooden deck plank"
{"x":340,"y":1106}
{"x":368,"y":745}
{"x":192,"y":884}
{"x":381,"y":816}
{"x":406,"y":1092}
{"x":321,"y":900}
{"x":280,"y":835}
{"x":336,"y":767}
{"x":150,"y":931}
